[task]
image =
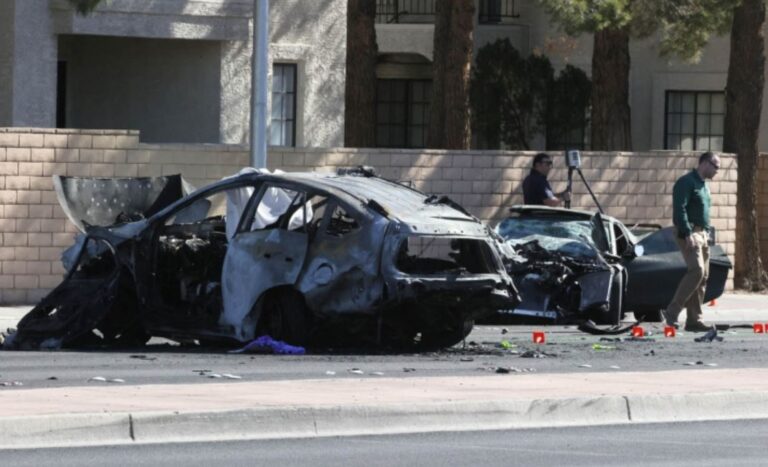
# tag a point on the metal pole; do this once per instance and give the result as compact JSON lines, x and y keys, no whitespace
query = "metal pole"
{"x":259,"y":64}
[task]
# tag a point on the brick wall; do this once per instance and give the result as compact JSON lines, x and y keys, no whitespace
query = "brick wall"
{"x":635,"y":187}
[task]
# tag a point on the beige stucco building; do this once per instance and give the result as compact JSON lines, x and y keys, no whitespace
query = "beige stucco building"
{"x":177,"y":70}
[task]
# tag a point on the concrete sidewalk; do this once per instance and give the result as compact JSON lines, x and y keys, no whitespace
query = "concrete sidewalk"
{"x":336,"y":407}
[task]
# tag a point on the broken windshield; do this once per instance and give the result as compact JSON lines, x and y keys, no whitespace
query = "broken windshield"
{"x":572,"y":237}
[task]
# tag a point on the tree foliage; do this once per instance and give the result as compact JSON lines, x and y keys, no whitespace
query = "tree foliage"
{"x":568,"y":107}
{"x":685,"y":26}
{"x":509,"y":95}
{"x":516,"y":98}
{"x":84,"y":7}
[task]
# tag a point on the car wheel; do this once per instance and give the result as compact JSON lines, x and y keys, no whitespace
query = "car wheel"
{"x":447,"y":335}
{"x":649,"y":316}
{"x":285,"y":317}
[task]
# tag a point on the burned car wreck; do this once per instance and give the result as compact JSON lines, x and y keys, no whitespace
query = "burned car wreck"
{"x":301,"y":257}
{"x":572,"y":265}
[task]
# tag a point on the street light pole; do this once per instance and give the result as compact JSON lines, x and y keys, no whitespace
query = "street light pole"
{"x":259,"y":64}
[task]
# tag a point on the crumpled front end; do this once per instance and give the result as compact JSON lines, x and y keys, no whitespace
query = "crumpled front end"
{"x":557,"y":282}
{"x":442,"y":281}
{"x":94,"y":304}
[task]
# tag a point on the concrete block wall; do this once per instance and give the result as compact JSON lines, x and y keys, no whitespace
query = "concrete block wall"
{"x":635,"y":187}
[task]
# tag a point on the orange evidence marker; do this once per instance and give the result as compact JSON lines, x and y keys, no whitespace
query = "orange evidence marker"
{"x":669,"y":331}
{"x":538,"y":337}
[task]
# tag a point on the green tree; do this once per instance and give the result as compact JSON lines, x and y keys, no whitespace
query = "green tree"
{"x":449,"y":120}
{"x":568,"y":104}
{"x":84,"y":7}
{"x":685,"y":26}
{"x":509,"y":95}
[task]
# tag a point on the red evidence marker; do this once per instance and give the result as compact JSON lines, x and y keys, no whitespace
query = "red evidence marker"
{"x":538,"y":337}
{"x":669,"y":331}
{"x":758,"y":328}
{"x":638,"y":331}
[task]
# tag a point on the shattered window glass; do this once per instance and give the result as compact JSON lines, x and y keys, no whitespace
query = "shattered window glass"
{"x":568,"y":236}
{"x":341,"y":223}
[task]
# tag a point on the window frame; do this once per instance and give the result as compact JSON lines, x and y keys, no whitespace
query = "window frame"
{"x":408,"y":103}
{"x":696,"y":114}
{"x":293,"y":92}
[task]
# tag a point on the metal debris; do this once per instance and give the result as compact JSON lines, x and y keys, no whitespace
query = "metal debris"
{"x":536,"y":354}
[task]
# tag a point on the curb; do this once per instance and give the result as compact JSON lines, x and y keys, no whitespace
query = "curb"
{"x":70,"y":430}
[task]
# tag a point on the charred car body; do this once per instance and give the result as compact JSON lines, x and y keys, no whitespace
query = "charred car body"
{"x":295,"y":256}
{"x":572,"y":265}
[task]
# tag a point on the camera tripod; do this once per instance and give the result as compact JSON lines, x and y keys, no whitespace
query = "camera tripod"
{"x":589,"y":189}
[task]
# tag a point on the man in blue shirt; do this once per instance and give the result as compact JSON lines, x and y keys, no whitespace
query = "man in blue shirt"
{"x":536,"y":187}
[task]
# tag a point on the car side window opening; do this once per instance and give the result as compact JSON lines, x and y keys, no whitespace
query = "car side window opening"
{"x":285,"y":209}
{"x":341,"y":223}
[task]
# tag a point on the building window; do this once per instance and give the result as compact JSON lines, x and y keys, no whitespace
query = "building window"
{"x":497,"y":11}
{"x":282,"y":129}
{"x":402,"y":113}
{"x":694,"y":120}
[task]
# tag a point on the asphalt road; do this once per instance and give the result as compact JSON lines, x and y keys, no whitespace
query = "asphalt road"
{"x":681,"y":444}
{"x":487,"y":349}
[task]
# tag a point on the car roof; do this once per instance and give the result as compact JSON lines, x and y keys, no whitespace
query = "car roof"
{"x":403,"y":203}
{"x":533,"y":209}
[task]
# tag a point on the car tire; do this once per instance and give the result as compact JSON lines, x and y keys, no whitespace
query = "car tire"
{"x":649,"y":316}
{"x":285,"y":317}
{"x":447,"y":335}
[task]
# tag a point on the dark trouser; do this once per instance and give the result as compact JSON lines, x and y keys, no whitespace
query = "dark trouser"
{"x":690,"y":291}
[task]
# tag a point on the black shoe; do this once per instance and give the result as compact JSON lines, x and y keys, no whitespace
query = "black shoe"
{"x":697,"y":327}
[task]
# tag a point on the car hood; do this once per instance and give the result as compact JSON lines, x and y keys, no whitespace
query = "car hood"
{"x":104,"y":202}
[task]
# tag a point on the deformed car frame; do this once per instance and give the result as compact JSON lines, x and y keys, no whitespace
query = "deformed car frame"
{"x":573,"y":265}
{"x":295,"y":256}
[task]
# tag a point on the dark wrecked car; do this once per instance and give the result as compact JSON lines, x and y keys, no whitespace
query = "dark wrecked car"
{"x":575,"y":265}
{"x":299,"y":257}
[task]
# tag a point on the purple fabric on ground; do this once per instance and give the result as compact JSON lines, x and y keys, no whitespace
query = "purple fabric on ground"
{"x":265,"y":344}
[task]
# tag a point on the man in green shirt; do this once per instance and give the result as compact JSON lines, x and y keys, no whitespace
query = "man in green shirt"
{"x":691,"y":202}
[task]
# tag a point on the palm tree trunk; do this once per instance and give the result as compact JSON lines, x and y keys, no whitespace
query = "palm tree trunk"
{"x":362,"y":50}
{"x":449,"y":124}
{"x":611,"y":130}
{"x":744,"y":104}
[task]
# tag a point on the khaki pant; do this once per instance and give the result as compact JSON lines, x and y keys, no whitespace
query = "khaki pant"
{"x":690,"y":291}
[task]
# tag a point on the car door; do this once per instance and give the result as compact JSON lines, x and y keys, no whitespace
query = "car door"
{"x":268,"y":251}
{"x":654,"y":276}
